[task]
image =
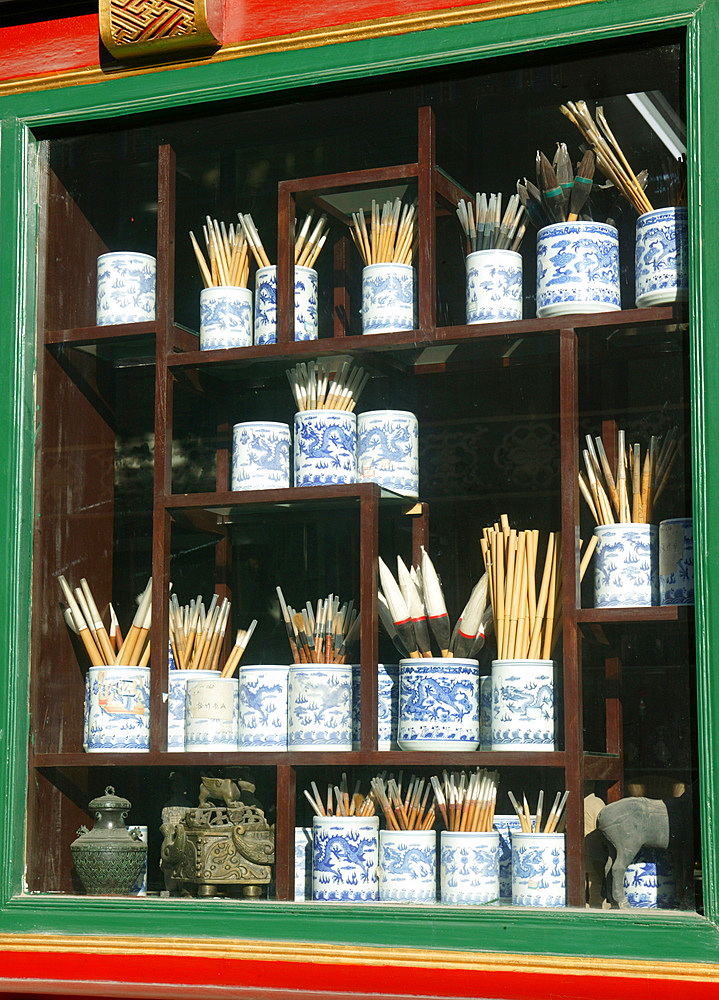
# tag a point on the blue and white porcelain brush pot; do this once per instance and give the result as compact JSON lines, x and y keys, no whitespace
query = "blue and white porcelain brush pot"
{"x":438,"y":704}
{"x":176,"y":705}
{"x":125,"y":288}
{"x":523,"y":705}
{"x":577,"y":268}
{"x":211,"y":713}
{"x":661,"y":261}
{"x":494,"y":286}
{"x":225,"y":317}
{"x":676,"y":561}
{"x":118,"y":709}
{"x":319,"y":706}
{"x":626,"y":570}
{"x":306,"y":315}
{"x":408,"y":866}
{"x":387,"y":298}
{"x":469,"y":867}
{"x":388,"y":450}
{"x":538,"y":869}
{"x":325,"y":448}
{"x":345,"y":858}
{"x":260,"y":455}
{"x":263,"y":707}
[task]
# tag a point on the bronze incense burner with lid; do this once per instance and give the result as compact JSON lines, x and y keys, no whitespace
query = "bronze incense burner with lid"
{"x":220,"y":850}
{"x":108,"y":858}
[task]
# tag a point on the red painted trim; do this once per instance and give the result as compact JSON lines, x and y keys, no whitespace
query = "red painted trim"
{"x":153,"y":975}
{"x":49,"y":46}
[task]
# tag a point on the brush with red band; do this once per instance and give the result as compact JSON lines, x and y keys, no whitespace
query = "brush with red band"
{"x":399,"y":611}
{"x":435,"y":604}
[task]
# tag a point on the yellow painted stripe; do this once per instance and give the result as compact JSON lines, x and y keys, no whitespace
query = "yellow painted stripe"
{"x":313,"y":953}
{"x":353,"y":32}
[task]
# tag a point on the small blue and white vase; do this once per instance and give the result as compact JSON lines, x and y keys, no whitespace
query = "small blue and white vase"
{"x":125,"y":288}
{"x":538,"y":869}
{"x":345,"y":858}
{"x":577,"y":268}
{"x":494,"y":286}
{"x":306,"y":313}
{"x":118,"y":713}
{"x":469,"y":868}
{"x":438,"y":704}
{"x":225,"y":317}
{"x":325,"y":447}
{"x":485,"y":712}
{"x":211,"y":713}
{"x":523,"y":705}
{"x":263,"y":707}
{"x":319,"y":706}
{"x":506,"y":824}
{"x":176,"y":705}
{"x":303,"y":862}
{"x":388,"y":450}
{"x":388,"y":298}
{"x":649,"y":880}
{"x":676,"y":561}
{"x":260,"y":455}
{"x":626,"y":566}
{"x":387,"y":705}
{"x":86,"y":713}
{"x":408,"y":866}
{"x":661,"y":261}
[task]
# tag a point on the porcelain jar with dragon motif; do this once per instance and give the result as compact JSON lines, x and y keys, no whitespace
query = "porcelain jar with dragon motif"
{"x":676,"y":561}
{"x":469,"y":867}
{"x":303,"y":862}
{"x":523,"y":705}
{"x":438,"y":704}
{"x":661,"y":258}
{"x":225,"y":317}
{"x":319,"y":706}
{"x":388,"y":298}
{"x":388,"y":450}
{"x":125,"y":288}
{"x":408,"y":866}
{"x":387,"y":705}
{"x":325,"y":448}
{"x":494,"y":286}
{"x":626,"y":566}
{"x":260,"y":455}
{"x":118,"y":709}
{"x":538,"y":869}
{"x":577,"y":268}
{"x":345,"y":856}
{"x":506,"y":824}
{"x":263,"y":707}
{"x":306,"y":315}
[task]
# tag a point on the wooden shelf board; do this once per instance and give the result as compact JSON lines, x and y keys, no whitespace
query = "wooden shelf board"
{"x":634,"y":616}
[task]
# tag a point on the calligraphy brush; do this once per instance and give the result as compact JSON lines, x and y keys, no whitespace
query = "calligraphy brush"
{"x":435,"y":604}
{"x":531,"y":200}
{"x":416,"y":607}
{"x":398,"y":609}
{"x":562,"y":164}
{"x":550,"y":188}
{"x":470,"y":621}
{"x":582,"y":186}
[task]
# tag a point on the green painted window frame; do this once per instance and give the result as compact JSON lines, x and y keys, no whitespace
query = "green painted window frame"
{"x":673,"y":937}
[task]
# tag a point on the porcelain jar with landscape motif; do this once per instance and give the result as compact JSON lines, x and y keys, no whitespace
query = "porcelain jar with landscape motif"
{"x":319,"y":706}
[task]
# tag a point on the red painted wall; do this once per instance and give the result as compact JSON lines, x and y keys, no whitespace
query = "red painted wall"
{"x":73,"y":43}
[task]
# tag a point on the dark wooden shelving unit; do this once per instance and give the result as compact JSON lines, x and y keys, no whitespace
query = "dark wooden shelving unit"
{"x":62,"y":771}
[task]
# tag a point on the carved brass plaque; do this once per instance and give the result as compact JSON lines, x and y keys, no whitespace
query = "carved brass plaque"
{"x":143,"y":29}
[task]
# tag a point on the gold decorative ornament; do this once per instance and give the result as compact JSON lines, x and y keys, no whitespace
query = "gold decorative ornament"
{"x":148,"y":29}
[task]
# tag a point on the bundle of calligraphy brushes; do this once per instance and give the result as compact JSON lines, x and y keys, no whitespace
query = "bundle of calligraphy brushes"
{"x":339,"y":802}
{"x":390,"y":237}
{"x":467,"y":801}
{"x":320,"y":385}
{"x":309,"y":242}
{"x":227,"y":253}
{"x":556,"y":820}
{"x":107,"y":648}
{"x":560,"y":194}
{"x":484,"y":226}
{"x":413,"y":606}
{"x":527,"y":614}
{"x":253,"y":239}
{"x":607,"y":492}
{"x":325,"y":634}
{"x":406,"y":811}
{"x":611,"y":161}
{"x":197,"y":635}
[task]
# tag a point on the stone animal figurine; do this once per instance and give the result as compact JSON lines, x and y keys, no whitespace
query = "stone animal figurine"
{"x":227,"y":790}
{"x":633,"y":823}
